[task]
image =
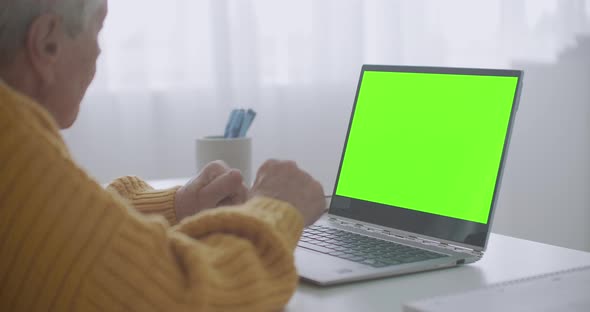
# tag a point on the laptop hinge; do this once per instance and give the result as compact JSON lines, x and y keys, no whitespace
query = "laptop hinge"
{"x":408,"y":237}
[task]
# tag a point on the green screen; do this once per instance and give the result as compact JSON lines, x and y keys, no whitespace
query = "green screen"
{"x":428,"y":142}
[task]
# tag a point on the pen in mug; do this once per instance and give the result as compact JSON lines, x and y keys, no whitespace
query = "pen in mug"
{"x":248,"y":119}
{"x":230,"y":122}
{"x":234,"y":130}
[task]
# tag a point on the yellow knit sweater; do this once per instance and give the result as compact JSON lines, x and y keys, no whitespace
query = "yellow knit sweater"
{"x":66,"y":244}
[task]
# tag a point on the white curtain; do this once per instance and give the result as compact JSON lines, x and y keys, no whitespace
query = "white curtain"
{"x":172,"y":70}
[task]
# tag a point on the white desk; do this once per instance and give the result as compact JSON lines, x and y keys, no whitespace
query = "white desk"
{"x":506,"y":258}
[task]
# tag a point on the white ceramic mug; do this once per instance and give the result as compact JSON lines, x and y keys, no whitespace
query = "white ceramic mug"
{"x":236,"y":152}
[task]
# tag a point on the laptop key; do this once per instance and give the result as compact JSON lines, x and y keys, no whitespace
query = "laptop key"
{"x":390,"y":261}
{"x":314,"y":247}
{"x":409,"y":259}
{"x":337,"y":253}
{"x":353,"y":258}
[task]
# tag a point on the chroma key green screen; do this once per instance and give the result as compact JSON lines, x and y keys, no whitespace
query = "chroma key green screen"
{"x":428,"y":142}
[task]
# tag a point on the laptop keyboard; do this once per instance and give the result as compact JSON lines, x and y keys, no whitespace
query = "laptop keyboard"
{"x":361,"y":249}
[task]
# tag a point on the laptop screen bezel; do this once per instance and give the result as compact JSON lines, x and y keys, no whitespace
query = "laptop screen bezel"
{"x":460,"y":232}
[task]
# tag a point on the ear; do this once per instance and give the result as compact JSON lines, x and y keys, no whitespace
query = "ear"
{"x":43,"y":45}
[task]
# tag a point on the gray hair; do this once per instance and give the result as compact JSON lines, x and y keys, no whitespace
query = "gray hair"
{"x":16,"y":17}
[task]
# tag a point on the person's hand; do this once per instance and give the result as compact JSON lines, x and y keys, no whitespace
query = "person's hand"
{"x":216,"y":185}
{"x":283,"y":180}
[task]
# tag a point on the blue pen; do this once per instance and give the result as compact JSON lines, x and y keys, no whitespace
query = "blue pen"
{"x":248,"y":119}
{"x":237,"y":124}
{"x":230,"y":122}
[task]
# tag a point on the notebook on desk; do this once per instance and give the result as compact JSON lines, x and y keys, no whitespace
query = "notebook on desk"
{"x":555,"y":292}
{"x":419,"y":174}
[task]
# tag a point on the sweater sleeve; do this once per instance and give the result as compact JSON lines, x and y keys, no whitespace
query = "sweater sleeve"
{"x":69,"y":245}
{"x":145,"y":198}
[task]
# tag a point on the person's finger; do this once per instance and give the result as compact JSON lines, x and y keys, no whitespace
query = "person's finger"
{"x":209,"y":173}
{"x":226,"y":202}
{"x":240,"y":196}
{"x":226,"y":185}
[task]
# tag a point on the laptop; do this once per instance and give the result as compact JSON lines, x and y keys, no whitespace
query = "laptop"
{"x":419,"y":175}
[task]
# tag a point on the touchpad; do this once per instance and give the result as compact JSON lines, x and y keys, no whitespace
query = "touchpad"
{"x":316,"y":266}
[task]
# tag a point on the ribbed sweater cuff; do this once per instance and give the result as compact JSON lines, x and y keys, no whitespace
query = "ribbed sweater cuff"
{"x":145,"y":198}
{"x":282,"y":217}
{"x":285,"y":218}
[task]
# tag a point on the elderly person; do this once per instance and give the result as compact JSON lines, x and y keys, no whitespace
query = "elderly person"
{"x":66,"y":244}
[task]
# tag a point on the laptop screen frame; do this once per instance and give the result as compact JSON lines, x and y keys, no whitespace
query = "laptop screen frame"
{"x":450,"y":230}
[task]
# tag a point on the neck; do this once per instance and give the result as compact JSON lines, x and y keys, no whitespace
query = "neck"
{"x":22,"y":80}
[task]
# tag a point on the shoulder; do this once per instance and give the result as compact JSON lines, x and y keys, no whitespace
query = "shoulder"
{"x":22,"y":117}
